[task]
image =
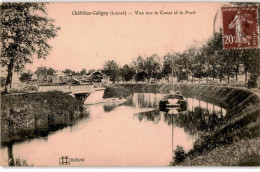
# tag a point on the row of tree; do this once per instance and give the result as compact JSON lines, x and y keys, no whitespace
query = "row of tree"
{"x":27,"y":75}
{"x":209,"y":60}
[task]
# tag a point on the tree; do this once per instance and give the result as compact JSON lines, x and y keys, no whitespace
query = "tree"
{"x":152,"y":67}
{"x":91,"y":71}
{"x":251,"y":60}
{"x":44,"y":71}
{"x":83,"y":71}
{"x":190,"y":54}
{"x":50,"y":71}
{"x":214,"y":52}
{"x":41,"y":71}
{"x":25,"y":77}
{"x":127,"y":73}
{"x":227,"y":63}
{"x":111,"y":69}
{"x":199,"y":67}
{"x":167,"y":65}
{"x":147,"y":68}
{"x":139,"y":68}
{"x":69,"y":71}
{"x":25,"y":32}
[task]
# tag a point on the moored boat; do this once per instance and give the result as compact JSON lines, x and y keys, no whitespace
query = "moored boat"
{"x":173,"y":101}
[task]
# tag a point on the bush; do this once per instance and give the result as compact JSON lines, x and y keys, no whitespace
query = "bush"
{"x":179,"y":154}
{"x":2,"y":81}
{"x":25,"y":77}
{"x":119,"y":92}
{"x":250,"y":160}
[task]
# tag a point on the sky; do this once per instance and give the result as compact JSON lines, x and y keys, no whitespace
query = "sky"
{"x":87,"y":41}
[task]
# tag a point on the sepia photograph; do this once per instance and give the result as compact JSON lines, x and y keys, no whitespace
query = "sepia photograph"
{"x":130,"y":84}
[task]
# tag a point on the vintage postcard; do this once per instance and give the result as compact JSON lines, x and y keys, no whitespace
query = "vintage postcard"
{"x":132,"y":84}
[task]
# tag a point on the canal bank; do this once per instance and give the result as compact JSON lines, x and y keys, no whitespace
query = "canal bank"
{"x":30,"y":115}
{"x":144,"y":129}
{"x":236,"y":138}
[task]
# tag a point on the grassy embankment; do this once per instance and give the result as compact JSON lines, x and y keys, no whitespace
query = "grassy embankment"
{"x":25,"y":116}
{"x":235,"y":142}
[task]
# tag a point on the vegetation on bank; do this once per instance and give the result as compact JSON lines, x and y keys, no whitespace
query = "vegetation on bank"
{"x":117,"y":92}
{"x":237,"y":136}
{"x":233,"y":142}
{"x":25,"y":116}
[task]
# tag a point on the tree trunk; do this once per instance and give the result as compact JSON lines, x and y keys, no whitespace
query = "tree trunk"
{"x":213,"y":77}
{"x":236,"y":76}
{"x":9,"y":77}
{"x":245,"y":77}
{"x":237,"y":68}
{"x":10,"y":154}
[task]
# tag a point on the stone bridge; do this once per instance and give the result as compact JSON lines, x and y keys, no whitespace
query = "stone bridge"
{"x":80,"y":92}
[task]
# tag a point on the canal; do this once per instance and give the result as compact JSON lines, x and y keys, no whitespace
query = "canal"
{"x":135,"y":133}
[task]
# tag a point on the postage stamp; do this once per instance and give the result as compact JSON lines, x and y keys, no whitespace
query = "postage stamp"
{"x":240,"y":29}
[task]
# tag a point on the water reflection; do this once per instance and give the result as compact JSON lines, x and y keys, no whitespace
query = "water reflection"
{"x":132,"y":134}
{"x":199,"y":116}
{"x":146,"y":100}
{"x":108,"y":108}
{"x":153,"y":116}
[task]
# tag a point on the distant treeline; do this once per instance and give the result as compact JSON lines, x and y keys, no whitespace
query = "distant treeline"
{"x":208,"y":60}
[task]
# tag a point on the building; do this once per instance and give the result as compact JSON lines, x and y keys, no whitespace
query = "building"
{"x":59,"y":77}
{"x":100,"y":77}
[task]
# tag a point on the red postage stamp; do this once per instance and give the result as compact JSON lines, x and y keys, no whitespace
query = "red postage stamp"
{"x":240,"y":28}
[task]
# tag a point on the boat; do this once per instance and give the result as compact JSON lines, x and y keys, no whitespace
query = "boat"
{"x":175,"y":100}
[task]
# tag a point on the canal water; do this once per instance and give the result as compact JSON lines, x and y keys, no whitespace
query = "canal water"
{"x":135,"y":133}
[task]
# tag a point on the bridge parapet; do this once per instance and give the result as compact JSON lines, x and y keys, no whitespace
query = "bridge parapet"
{"x":45,"y":88}
{"x":84,"y":88}
{"x":67,"y":88}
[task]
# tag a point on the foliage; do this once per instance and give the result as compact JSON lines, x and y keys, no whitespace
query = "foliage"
{"x":179,"y":154}
{"x":25,"y":32}
{"x":148,"y":68}
{"x":167,"y":65}
{"x":250,"y":160}
{"x":118,"y":92}
{"x":46,"y":111}
{"x":139,"y":68}
{"x":25,"y":77}
{"x":127,"y":73}
{"x":83,"y":71}
{"x":111,"y":69}
{"x":69,"y":72}
{"x":152,"y":67}
{"x":2,"y":81}
{"x":45,"y":71}
{"x":91,"y":71}
{"x":50,"y":71}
